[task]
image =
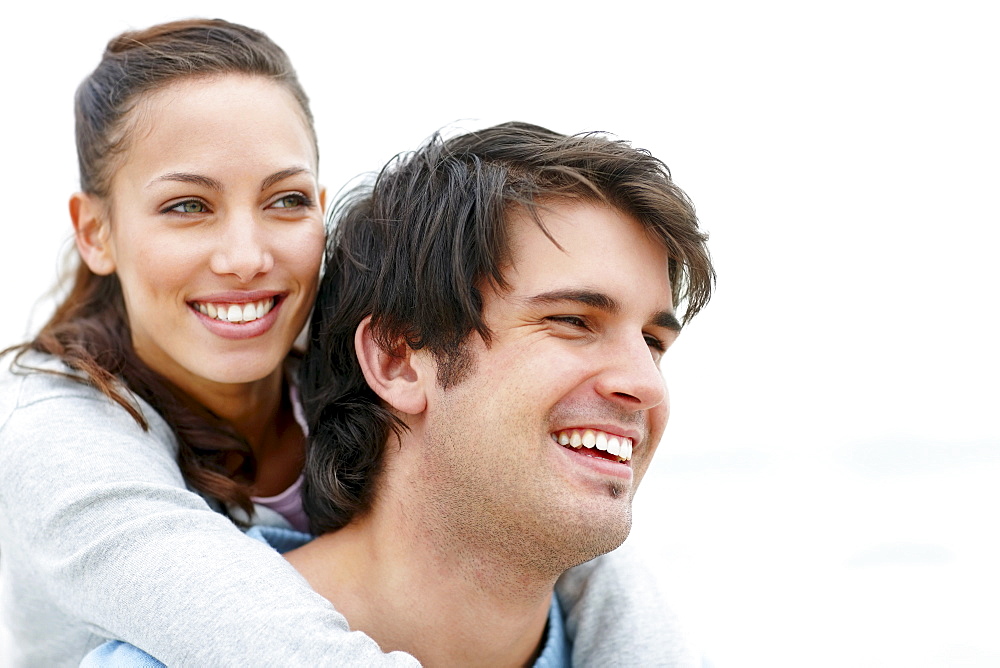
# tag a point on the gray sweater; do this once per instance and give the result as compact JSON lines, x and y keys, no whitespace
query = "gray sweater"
{"x":100,"y":538}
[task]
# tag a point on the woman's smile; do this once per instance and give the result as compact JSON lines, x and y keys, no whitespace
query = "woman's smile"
{"x":238,"y":319}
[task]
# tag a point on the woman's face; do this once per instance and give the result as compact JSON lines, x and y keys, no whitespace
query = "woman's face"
{"x":216,"y":229}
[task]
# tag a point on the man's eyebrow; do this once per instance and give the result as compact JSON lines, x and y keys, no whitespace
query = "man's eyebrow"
{"x":184,"y":177}
{"x":277,"y":177}
{"x":591,"y":298}
{"x":599,"y":300}
{"x":667,"y":320}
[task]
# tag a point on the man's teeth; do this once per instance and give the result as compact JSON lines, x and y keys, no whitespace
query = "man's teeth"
{"x":595,"y":439}
{"x":236,"y":312}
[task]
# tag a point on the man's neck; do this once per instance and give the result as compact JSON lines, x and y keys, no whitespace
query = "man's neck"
{"x":444,"y":604}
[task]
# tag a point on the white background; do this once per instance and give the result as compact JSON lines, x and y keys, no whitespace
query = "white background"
{"x":827,"y":493}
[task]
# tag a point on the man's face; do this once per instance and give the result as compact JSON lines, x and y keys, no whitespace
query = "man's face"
{"x":574,"y":361}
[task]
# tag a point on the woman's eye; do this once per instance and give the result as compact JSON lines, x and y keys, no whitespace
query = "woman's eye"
{"x":189,"y":206}
{"x":290,"y":202}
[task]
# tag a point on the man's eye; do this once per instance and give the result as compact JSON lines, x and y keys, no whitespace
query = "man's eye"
{"x":189,"y":206}
{"x":571,"y":320}
{"x":656,"y":344}
{"x":291,"y":201}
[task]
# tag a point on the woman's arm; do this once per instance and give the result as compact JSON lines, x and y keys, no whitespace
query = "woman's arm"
{"x":101,"y":539}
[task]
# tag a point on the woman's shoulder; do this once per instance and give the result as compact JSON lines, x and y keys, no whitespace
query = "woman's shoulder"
{"x":33,"y":376}
{"x":38,"y":390}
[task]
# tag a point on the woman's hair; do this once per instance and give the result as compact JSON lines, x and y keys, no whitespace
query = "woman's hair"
{"x":90,"y":330}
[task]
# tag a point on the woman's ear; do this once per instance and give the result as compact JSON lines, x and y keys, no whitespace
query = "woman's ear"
{"x":92,"y":231}
{"x":396,"y":375}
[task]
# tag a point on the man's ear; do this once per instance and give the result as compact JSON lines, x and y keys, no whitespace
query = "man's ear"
{"x":395,"y":375}
{"x":92,"y":231}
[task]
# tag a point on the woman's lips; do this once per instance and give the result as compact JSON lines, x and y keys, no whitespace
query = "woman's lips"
{"x":236,"y":320}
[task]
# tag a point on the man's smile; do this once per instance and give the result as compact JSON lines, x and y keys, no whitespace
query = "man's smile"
{"x":604,"y":445}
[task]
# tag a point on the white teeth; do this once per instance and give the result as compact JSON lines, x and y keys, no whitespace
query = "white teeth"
{"x":236,"y":313}
{"x":619,"y":446}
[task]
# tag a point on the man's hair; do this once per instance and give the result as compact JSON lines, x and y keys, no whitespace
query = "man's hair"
{"x":415,"y":249}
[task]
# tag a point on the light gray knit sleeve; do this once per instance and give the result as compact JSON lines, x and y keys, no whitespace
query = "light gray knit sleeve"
{"x":101,"y":539}
{"x":617,"y":616}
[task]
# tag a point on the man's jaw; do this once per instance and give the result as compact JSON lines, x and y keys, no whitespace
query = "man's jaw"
{"x":596,"y":443}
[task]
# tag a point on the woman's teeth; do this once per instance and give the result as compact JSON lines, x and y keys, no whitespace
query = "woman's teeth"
{"x":618,"y":446}
{"x":236,"y":312}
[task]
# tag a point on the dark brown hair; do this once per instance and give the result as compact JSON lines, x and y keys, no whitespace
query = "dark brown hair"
{"x":90,"y":330}
{"x":414,"y":250}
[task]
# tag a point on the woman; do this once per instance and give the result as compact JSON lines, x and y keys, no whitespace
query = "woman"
{"x":154,"y":412}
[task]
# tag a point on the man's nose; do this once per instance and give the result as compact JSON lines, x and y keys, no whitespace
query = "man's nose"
{"x":631,"y":375}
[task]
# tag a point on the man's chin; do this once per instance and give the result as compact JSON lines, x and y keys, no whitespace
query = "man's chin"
{"x":605,"y":531}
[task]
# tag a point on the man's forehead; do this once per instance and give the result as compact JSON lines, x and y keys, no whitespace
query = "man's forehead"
{"x":574,"y":227}
{"x":527,"y":220}
{"x":577,"y":240}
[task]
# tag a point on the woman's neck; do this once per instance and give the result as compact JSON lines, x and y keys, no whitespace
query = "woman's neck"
{"x":251,"y":408}
{"x":261,"y":412}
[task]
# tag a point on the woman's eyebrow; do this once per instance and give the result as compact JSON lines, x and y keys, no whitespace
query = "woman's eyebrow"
{"x":185,"y":177}
{"x":209,"y":182}
{"x":277,"y":177}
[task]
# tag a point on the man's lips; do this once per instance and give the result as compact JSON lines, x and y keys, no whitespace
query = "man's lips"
{"x":599,"y":443}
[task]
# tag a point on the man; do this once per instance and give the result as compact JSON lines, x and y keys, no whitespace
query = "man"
{"x":483,"y":387}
